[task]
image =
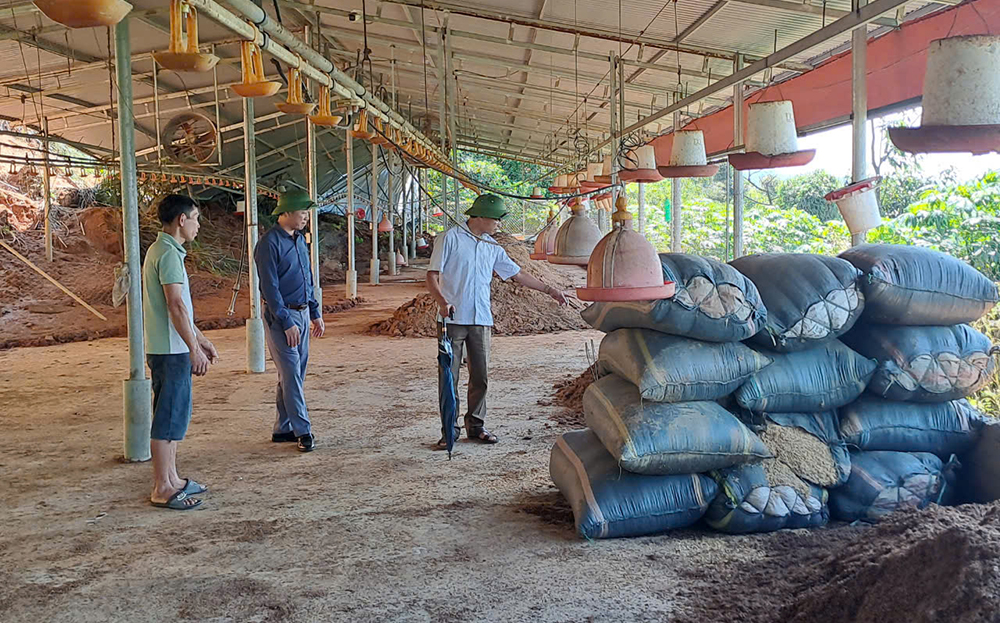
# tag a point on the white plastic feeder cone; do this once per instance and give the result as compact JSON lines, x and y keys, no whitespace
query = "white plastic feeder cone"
{"x":560,"y":184}
{"x":537,"y":193}
{"x":687,"y":156}
{"x":605,"y":176}
{"x":593,"y":171}
{"x":772,"y":139}
{"x":961,"y":102}
{"x":645,"y":169}
{"x":858,"y":204}
{"x":624,"y":266}
{"x":576,"y":238}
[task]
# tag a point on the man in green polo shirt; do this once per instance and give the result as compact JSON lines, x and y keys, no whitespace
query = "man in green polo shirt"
{"x":175,"y":348}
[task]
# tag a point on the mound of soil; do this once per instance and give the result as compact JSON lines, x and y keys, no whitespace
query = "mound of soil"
{"x":516,"y":310}
{"x":917,"y":566}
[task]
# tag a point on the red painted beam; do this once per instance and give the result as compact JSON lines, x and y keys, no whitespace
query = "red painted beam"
{"x":896,"y":65}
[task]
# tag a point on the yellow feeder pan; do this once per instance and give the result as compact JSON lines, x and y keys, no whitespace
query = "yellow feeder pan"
{"x":361,"y":130}
{"x":184,"y":56}
{"x":84,"y":13}
{"x":294,"y":105}
{"x":325,"y":117}
{"x":254,"y":84}
{"x":377,"y":135}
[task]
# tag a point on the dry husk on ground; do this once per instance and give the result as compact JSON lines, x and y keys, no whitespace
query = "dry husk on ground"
{"x":804,"y":454}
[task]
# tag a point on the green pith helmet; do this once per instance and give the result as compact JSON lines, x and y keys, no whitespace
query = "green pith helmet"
{"x":487,"y":206}
{"x":293,"y":201}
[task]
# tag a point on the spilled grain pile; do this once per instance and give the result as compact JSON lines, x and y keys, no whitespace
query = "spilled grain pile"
{"x":516,"y":310}
{"x":569,"y":395}
{"x":804,"y":454}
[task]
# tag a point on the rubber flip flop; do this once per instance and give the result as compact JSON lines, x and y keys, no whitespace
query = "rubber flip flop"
{"x":177,"y":502}
{"x":193,"y":488}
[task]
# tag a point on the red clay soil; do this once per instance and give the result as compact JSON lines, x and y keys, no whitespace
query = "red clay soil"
{"x":516,"y":310}
{"x":33,"y":312}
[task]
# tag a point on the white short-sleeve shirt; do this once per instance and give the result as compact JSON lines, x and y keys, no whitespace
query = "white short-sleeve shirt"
{"x":467,"y":265}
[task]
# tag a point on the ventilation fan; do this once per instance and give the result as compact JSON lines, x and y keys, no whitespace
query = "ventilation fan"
{"x":190,"y":139}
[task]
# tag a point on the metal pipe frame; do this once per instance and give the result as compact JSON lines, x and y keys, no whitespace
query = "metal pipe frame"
{"x":255,"y":324}
{"x":859,"y":118}
{"x":351,"y":276}
{"x":738,"y":176}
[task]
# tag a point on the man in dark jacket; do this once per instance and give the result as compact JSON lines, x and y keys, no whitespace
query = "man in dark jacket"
{"x":290,"y":307}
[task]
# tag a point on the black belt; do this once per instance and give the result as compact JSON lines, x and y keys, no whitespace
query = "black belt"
{"x":298,"y":307}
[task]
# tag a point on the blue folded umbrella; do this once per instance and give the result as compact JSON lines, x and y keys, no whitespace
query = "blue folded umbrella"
{"x":448,"y":401}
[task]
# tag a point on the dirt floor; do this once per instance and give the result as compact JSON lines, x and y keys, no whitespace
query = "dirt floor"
{"x":375,"y":526}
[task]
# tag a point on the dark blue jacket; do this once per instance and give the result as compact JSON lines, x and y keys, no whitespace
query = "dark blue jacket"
{"x":285,"y":276}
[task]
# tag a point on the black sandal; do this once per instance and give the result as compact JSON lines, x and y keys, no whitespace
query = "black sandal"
{"x":482,"y":436}
{"x":442,"y":443}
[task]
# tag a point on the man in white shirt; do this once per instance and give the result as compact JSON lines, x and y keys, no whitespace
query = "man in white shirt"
{"x":461,"y":270}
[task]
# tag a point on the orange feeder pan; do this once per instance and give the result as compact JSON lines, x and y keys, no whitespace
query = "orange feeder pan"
{"x":180,"y":57}
{"x":756,"y":160}
{"x":254,"y":84}
{"x":624,"y":266}
{"x":84,"y":13}
{"x":294,"y":105}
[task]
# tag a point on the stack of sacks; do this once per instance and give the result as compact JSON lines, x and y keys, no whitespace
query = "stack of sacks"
{"x":655,"y":428}
{"x":929,"y":360}
{"x":811,"y":301}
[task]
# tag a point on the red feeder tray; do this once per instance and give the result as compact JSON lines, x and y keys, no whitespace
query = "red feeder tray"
{"x":704,"y":170}
{"x":757,"y":160}
{"x":865,"y":184}
{"x":643,"y":176}
{"x":976,"y":139}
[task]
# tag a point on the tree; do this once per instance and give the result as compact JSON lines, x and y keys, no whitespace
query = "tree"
{"x":902,"y":176}
{"x":806,"y":192}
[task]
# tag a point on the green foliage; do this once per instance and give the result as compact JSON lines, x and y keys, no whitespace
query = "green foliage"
{"x":987,"y":399}
{"x":806,"y":192}
{"x":962,"y":220}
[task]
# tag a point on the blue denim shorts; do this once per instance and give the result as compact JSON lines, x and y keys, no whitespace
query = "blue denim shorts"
{"x":171,"y":395}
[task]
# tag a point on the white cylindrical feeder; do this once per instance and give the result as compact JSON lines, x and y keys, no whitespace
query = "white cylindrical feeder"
{"x":605,"y":176}
{"x":643,"y":166}
{"x":772,"y":140}
{"x":962,"y":83}
{"x":687,"y":156}
{"x":858,"y":204}
{"x":771,"y":128}
{"x":961,"y":101}
{"x":537,"y":193}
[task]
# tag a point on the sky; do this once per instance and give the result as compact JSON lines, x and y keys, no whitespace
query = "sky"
{"x":833,"y":153}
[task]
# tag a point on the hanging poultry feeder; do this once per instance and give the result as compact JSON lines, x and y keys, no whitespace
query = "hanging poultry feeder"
{"x":295,"y":105}
{"x":545,"y":241}
{"x":961,"y":101}
{"x":254,"y":84}
{"x":84,"y":13}
{"x":361,"y":130}
{"x":576,"y":238}
{"x":772,"y":141}
{"x":605,"y":176}
{"x":687,"y":156}
{"x":537,"y":193}
{"x":183,"y":54}
{"x":377,"y":137}
{"x":644,"y":170}
{"x":624,"y":266}
{"x":858,"y":204}
{"x":593,"y":170}
{"x":325,"y":117}
{"x":559,"y":186}
{"x":385,"y":225}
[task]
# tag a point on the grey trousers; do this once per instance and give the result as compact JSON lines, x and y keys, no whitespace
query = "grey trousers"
{"x":472,"y":340}
{"x":291,"y":363}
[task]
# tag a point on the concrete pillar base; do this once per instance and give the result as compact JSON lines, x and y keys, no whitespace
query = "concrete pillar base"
{"x":352,"y":284}
{"x":138,"y":395}
{"x":373,"y":275}
{"x":255,"y":345}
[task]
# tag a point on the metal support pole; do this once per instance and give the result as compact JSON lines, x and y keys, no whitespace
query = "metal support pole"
{"x":452,"y":114}
{"x":352,"y":273}
{"x":404,"y":200}
{"x":642,"y":208}
{"x":414,"y":214}
{"x":442,"y":128}
{"x":859,"y":120}
{"x":390,"y":214}
{"x":676,"y":199}
{"x":613,"y":110}
{"x":137,"y":389}
{"x":255,"y":323}
{"x":738,"y":175}
{"x":218,"y":111}
{"x":156,"y":110}
{"x":373,"y":273}
{"x":47,"y":189}
{"x":311,"y":166}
